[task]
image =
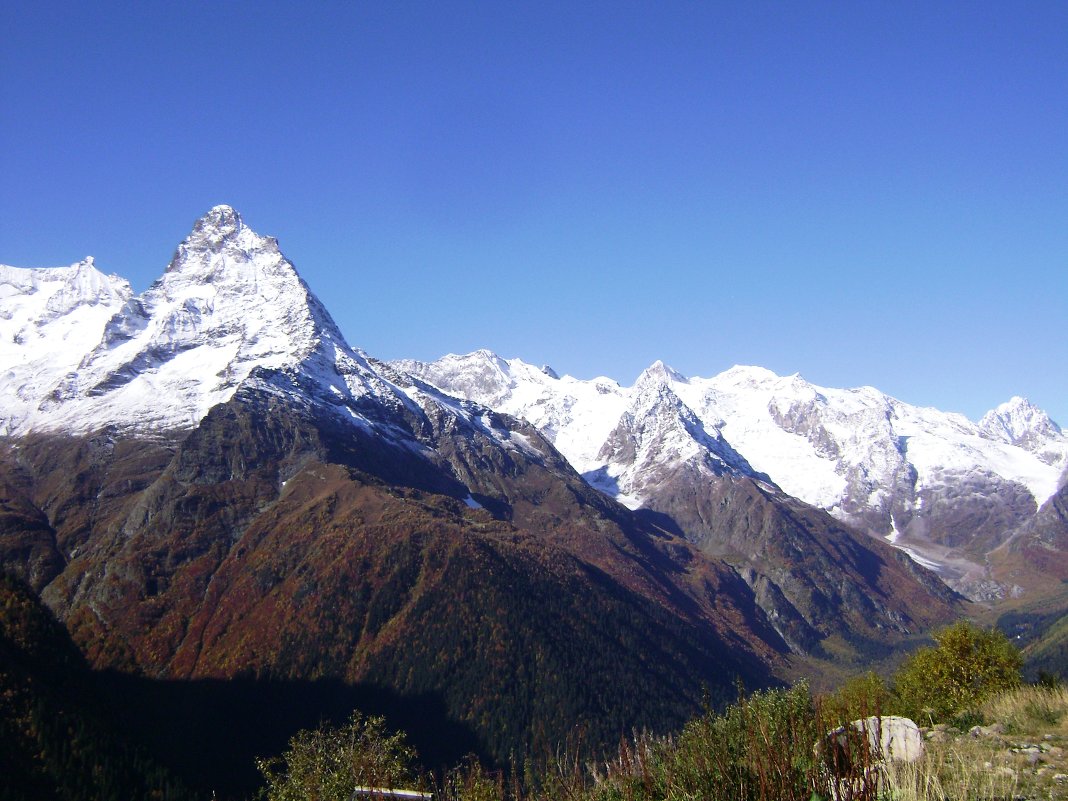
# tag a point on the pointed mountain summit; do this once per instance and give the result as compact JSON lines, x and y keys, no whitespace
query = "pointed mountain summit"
{"x":230,"y":318}
{"x":659,"y":373}
{"x":1020,"y":422}
{"x":657,"y":439}
{"x":220,"y":224}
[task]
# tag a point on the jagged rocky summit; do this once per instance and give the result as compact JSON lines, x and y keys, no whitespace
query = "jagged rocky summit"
{"x":230,"y":316}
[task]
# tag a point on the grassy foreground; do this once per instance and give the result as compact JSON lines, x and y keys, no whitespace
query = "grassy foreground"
{"x":763,"y":748}
{"x":987,"y":738}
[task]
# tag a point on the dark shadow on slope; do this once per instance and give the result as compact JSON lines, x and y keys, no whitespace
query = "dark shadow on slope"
{"x":209,"y":732}
{"x":602,"y":482}
{"x":660,"y":520}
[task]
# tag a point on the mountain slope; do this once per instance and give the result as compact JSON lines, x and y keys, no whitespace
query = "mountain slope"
{"x":564,"y":613}
{"x":230,"y":311}
{"x":217,"y":486}
{"x":59,"y":740}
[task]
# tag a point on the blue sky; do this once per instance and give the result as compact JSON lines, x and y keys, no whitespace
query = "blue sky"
{"x":865,"y":193}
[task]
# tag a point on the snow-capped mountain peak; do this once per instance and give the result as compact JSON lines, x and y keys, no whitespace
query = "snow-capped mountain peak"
{"x":743,"y":374}
{"x":221,"y":223}
{"x":58,"y":290}
{"x":575,"y":415}
{"x":231,"y":323}
{"x":1020,"y":422}
{"x":47,"y":315}
{"x":230,"y":309}
{"x":660,"y":373}
{"x":488,"y":374}
{"x":220,"y":255}
{"x":658,"y":436}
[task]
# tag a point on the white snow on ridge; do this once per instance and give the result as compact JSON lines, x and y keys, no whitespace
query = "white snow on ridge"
{"x":228,"y":302}
{"x":933,"y":450}
{"x":1018,"y":421}
{"x":741,"y":398}
{"x":576,"y":416}
{"x":48,"y":318}
{"x":80,"y":351}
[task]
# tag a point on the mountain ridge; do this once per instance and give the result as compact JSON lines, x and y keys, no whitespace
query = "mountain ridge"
{"x":231,"y":313}
{"x":914,"y":476}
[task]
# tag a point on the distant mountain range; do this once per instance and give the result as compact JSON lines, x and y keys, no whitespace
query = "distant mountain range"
{"x":944,"y":489}
{"x":205,"y":481}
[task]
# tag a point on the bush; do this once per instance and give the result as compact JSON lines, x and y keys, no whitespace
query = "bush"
{"x":758,"y":749}
{"x":329,"y":763}
{"x":967,"y":666}
{"x":860,"y":697}
{"x":470,"y":782}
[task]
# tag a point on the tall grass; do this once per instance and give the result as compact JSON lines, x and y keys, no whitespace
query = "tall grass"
{"x":770,"y":746}
{"x":965,"y":770}
{"x":1030,"y":709}
{"x":763,"y":748}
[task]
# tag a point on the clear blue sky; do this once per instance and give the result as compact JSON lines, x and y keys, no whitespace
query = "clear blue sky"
{"x":862,"y":192}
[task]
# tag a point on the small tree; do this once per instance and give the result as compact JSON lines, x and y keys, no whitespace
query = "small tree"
{"x":327,"y":764}
{"x":967,"y":666}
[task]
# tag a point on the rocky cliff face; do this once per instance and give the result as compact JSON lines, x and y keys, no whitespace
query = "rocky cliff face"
{"x":1019,"y":422}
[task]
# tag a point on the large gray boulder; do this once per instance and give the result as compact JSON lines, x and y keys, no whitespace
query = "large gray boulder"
{"x":850,"y":751}
{"x":894,"y":738}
